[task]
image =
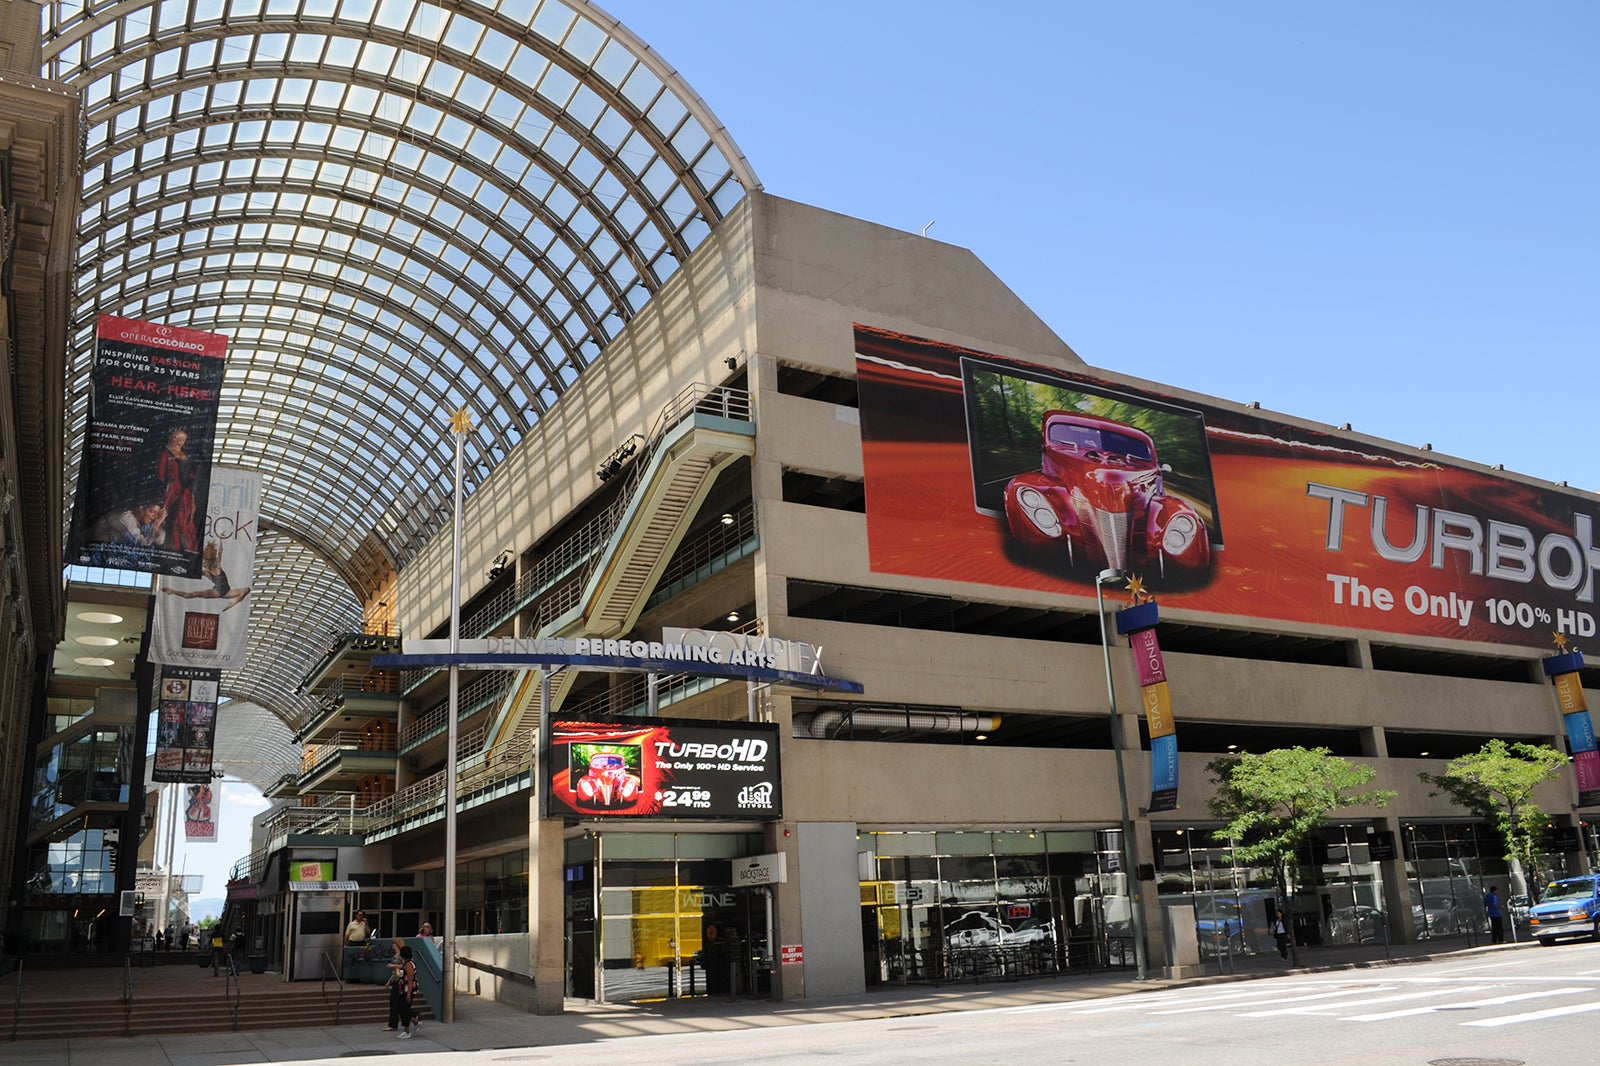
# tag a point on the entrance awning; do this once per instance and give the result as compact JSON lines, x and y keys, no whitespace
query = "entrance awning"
{"x":323,"y":886}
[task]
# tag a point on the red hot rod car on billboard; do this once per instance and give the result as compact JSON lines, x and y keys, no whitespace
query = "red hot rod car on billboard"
{"x":1100,"y":492}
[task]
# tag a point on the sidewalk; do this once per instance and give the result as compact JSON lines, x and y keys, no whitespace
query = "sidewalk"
{"x":482,"y":1025}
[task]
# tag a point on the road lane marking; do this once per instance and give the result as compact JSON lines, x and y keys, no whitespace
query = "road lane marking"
{"x":1362,"y":1002}
{"x":1280,"y":999}
{"x":1492,"y":1002}
{"x":1538,"y":1015}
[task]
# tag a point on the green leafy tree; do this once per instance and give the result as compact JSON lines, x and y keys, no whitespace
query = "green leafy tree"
{"x":1497,"y":783}
{"x":1271,"y":804}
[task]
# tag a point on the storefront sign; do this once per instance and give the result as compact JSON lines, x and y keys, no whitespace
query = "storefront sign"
{"x":770,"y":869}
{"x":663,"y":768}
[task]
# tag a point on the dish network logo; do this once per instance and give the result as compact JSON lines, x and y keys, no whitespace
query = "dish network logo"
{"x":758,"y":796}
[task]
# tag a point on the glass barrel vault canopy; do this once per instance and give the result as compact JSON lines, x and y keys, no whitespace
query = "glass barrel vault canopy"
{"x":392,"y":209}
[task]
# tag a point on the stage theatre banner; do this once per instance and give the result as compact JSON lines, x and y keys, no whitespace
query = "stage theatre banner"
{"x":199,"y":814}
{"x":663,"y":768}
{"x":985,"y":469}
{"x":1564,"y":670}
{"x":145,"y":472}
{"x":186,"y":722}
{"x":203,"y":621}
{"x":1138,"y":624}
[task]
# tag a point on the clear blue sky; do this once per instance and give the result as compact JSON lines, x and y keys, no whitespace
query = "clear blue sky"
{"x":1375,"y":213}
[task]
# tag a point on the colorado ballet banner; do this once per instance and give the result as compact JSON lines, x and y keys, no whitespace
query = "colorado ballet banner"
{"x":199,"y":814}
{"x":144,"y":474}
{"x":1564,"y":671}
{"x":663,"y":768}
{"x":989,"y":470}
{"x":203,"y":621}
{"x":1138,"y":624}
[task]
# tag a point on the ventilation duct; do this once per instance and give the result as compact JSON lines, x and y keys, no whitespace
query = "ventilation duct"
{"x":825,"y":724}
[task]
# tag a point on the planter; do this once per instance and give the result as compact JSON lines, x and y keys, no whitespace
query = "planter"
{"x":258,"y":963}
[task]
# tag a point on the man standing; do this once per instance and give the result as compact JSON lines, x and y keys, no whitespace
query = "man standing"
{"x":1280,"y":931}
{"x":1497,"y":915}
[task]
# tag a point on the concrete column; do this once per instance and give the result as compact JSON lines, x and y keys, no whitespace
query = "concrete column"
{"x":546,"y":910}
{"x":1396,"y":887}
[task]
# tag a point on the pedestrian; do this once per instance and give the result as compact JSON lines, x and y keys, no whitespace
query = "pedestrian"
{"x":407,"y":991}
{"x":218,"y":950}
{"x":358,"y":930}
{"x":1497,"y":915}
{"x":396,"y":966}
{"x":1281,"y":932}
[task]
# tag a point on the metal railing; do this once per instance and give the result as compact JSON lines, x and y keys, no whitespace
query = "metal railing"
{"x":481,"y":692}
{"x":329,"y":820}
{"x":714,"y":544}
{"x":319,"y":755}
{"x":16,"y":1002}
{"x":510,"y":758}
{"x":230,"y":978}
{"x":127,"y":997}
{"x":324,"y":971}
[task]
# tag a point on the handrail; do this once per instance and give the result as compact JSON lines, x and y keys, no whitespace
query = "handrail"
{"x":127,"y":997}
{"x":16,"y":1006}
{"x":323,"y":973}
{"x":499,"y":971}
{"x":231,"y":976}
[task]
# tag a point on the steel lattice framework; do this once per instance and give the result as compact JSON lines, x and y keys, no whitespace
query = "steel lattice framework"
{"x":393,"y":209}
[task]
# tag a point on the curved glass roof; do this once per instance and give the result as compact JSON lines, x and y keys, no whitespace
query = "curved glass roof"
{"x":393,"y":209}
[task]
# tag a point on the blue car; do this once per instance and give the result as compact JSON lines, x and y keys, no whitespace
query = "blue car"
{"x":1568,"y":907}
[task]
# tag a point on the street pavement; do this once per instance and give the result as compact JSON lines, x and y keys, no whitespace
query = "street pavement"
{"x":485,"y":1026}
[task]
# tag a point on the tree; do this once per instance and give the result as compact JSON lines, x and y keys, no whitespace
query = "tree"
{"x":1497,"y":783}
{"x":1271,"y":804}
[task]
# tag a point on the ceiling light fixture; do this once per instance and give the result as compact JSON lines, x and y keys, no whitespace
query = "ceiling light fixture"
{"x":105,"y":618}
{"x":94,"y":660}
{"x":99,"y":642}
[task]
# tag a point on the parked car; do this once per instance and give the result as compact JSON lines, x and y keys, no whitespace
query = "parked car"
{"x":1447,"y":916}
{"x":1518,"y":906}
{"x":1099,"y":493}
{"x":1568,"y":907}
{"x":976,"y":929}
{"x":1031,"y":931}
{"x":1355,"y":925}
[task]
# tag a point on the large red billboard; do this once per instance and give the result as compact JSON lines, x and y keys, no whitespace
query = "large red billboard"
{"x":985,"y":469}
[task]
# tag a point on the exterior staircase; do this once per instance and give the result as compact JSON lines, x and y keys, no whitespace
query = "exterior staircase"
{"x":262,"y":1002}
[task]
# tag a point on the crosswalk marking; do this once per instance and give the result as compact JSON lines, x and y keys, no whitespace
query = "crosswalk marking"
{"x":1538,"y":1015}
{"x":1329,"y":1008}
{"x":1494,"y":1001}
{"x":1281,"y":999}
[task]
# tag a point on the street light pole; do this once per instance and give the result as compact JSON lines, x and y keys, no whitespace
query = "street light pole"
{"x":1122,"y":780}
{"x":460,"y":426}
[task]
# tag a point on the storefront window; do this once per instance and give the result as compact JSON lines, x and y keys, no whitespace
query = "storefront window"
{"x":958,"y":904}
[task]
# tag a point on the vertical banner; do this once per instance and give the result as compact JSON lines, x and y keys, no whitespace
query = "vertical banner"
{"x":1138,"y":624}
{"x":145,"y":471}
{"x":186,"y":722}
{"x":1564,"y":670}
{"x":202,"y":621}
{"x":199,"y":814}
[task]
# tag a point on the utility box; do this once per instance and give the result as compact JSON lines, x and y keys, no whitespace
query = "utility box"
{"x":1183,"y":942}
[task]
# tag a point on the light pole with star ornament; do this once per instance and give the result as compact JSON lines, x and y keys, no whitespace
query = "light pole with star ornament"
{"x":1128,"y":869}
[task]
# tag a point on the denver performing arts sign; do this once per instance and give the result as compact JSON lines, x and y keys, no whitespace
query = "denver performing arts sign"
{"x":704,"y":653}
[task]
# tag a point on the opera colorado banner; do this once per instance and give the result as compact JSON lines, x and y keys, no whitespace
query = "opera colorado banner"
{"x":201,"y":621}
{"x":1138,"y":624}
{"x":145,"y":471}
{"x":1565,"y":671}
{"x":663,"y":768}
{"x":199,"y":814}
{"x":186,"y":724}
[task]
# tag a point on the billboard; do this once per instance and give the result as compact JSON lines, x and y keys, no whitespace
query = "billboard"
{"x":203,"y":621}
{"x":984,"y":469}
{"x":186,"y":724}
{"x":663,"y":768}
{"x":146,"y":466}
